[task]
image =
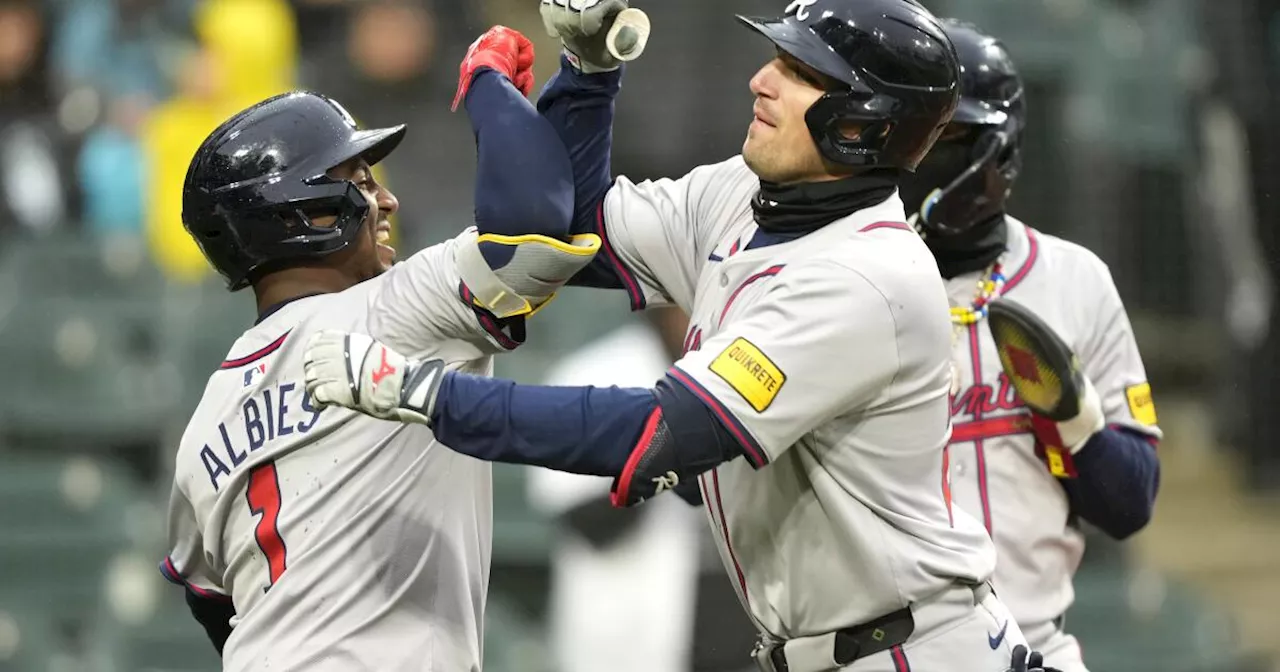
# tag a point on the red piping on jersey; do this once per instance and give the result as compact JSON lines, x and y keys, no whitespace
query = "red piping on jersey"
{"x":259,"y":354}
{"x":766,"y":273}
{"x":1033,"y":252}
{"x":900,"y":663}
{"x":900,"y":226}
{"x":979,"y":453}
{"x":629,"y":281}
{"x":755,"y":455}
{"x":486,"y":319}
{"x":990,"y":428}
{"x":619,"y":497}
{"x":724,"y":528}
{"x":1149,"y":438}
{"x":170,"y":574}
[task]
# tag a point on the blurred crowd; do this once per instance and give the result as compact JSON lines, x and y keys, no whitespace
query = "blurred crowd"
{"x":103,"y":102}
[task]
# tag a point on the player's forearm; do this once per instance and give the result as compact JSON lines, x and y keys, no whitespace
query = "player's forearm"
{"x":1118,"y":475}
{"x":524,"y":180}
{"x":580,"y":108}
{"x":584,"y":430}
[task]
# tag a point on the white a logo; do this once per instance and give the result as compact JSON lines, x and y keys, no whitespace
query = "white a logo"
{"x":801,"y":8}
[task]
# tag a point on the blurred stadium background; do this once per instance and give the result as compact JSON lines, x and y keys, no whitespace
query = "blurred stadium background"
{"x":1152,"y":141}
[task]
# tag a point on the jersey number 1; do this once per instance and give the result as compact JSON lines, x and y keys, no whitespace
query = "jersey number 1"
{"x":264,"y":501}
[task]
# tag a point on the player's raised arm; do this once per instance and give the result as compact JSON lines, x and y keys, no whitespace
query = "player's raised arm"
{"x":656,"y":233}
{"x":480,"y":286}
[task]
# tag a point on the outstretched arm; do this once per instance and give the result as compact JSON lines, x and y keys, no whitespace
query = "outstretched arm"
{"x":724,"y":401}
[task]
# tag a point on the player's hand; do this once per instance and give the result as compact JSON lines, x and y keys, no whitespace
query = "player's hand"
{"x":1024,"y":662}
{"x":511,"y":276}
{"x":598,"y":35}
{"x":363,"y":374}
{"x":502,"y":49}
{"x":1065,"y":408}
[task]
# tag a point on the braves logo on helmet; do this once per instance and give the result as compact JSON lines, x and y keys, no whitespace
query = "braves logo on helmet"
{"x":800,"y":8}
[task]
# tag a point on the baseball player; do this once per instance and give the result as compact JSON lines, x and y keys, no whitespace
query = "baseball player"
{"x":318,"y":539}
{"x":812,"y":401}
{"x":1031,"y":479}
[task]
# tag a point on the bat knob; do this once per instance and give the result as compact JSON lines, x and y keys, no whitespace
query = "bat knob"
{"x":628,"y":35}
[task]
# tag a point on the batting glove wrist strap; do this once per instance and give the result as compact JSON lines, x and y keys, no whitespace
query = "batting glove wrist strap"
{"x":595,"y":38}
{"x":361,"y":373}
{"x":511,"y":276}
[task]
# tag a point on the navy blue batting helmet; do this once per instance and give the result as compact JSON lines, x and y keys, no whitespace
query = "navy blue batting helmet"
{"x":257,"y":181}
{"x":897,"y":72}
{"x":967,"y":178}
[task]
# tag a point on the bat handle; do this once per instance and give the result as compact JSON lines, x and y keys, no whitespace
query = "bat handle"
{"x":628,"y":35}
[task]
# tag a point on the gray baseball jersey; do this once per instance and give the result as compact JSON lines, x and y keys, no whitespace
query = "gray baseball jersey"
{"x":828,"y":357}
{"x":344,"y":542}
{"x":996,"y":472}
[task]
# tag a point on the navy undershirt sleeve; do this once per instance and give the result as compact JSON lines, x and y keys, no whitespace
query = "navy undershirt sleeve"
{"x":580,"y":107}
{"x":584,"y":430}
{"x":1117,"y":477}
{"x":524,"y":180}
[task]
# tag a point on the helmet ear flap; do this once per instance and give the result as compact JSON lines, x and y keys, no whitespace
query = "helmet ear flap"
{"x":834,"y":110}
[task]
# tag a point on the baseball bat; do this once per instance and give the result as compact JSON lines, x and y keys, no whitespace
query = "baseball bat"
{"x":628,"y":35}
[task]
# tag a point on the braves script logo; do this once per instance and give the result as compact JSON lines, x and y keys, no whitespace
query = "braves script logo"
{"x":801,"y":8}
{"x":983,"y":398}
{"x":384,"y":370}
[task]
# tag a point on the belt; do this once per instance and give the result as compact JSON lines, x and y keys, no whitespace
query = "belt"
{"x":833,"y":650}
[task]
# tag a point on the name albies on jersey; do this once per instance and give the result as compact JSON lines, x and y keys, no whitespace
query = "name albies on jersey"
{"x":343,"y":542}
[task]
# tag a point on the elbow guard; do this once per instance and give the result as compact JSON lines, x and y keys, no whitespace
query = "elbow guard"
{"x":680,"y":440}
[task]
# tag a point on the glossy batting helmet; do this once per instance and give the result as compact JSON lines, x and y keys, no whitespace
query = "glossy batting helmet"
{"x":898,"y":75}
{"x":257,"y":181}
{"x":967,"y":177}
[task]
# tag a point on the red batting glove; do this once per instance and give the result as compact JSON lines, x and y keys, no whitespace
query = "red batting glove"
{"x":503,"y":49}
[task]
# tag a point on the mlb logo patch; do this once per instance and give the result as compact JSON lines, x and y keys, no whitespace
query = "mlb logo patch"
{"x":251,"y":372}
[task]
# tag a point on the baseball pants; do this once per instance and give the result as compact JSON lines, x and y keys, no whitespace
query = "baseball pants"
{"x":1060,"y":650}
{"x":961,"y":630}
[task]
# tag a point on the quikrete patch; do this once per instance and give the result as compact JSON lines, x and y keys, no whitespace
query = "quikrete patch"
{"x":1141,"y":405}
{"x":750,"y":373}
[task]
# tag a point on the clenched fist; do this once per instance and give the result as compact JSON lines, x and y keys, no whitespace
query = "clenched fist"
{"x":503,"y":49}
{"x":598,"y":35}
{"x":363,"y":374}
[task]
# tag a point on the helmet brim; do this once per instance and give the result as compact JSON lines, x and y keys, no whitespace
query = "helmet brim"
{"x":375,"y":144}
{"x":979,"y":113}
{"x":801,"y":42}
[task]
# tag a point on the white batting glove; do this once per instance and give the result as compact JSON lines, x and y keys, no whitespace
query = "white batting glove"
{"x":361,"y":373}
{"x":595,"y":37}
{"x":1075,"y":432}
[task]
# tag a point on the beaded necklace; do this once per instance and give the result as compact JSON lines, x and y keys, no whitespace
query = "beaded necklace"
{"x":989,"y":288}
